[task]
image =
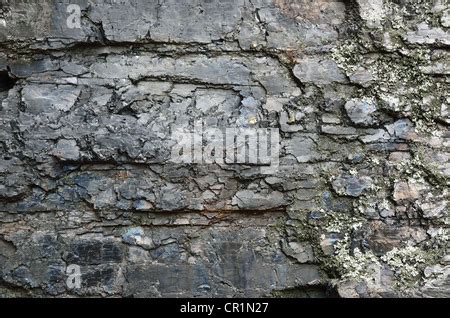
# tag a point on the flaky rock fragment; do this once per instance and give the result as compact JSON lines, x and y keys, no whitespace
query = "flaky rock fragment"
{"x":361,"y":111}
{"x":250,"y":200}
{"x":320,"y":71}
{"x":67,"y":150}
{"x":372,"y":12}
{"x":409,"y":190}
{"x":301,"y":251}
{"x":351,"y":185}
{"x":428,"y":35}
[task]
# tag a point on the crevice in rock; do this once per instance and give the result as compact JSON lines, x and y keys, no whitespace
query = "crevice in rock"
{"x":6,"y":81}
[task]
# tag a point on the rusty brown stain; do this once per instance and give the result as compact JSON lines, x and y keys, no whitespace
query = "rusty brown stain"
{"x":122,"y":175}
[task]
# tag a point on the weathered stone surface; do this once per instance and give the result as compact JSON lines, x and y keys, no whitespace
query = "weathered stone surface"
{"x":361,"y":111}
{"x":301,"y":251}
{"x":250,"y":200}
{"x":408,"y":190}
{"x":434,"y":210}
{"x":353,"y":192}
{"x":372,"y":12}
{"x":67,"y":150}
{"x":351,"y":185}
{"x":319,"y":71}
{"x":362,"y":76}
{"x":445,"y":19}
{"x":428,"y":35}
{"x":339,"y":130}
{"x":437,"y":285}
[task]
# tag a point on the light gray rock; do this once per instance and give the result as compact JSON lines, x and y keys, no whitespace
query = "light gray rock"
{"x":67,"y":150}
{"x":428,"y":35}
{"x":303,"y":148}
{"x":301,"y":251}
{"x":372,"y":12}
{"x":250,"y":200}
{"x":434,"y":210}
{"x":49,"y":100}
{"x":378,"y":135}
{"x":361,"y":111}
{"x":339,"y":130}
{"x":362,"y":76}
{"x":445,"y":19}
{"x":319,"y":71}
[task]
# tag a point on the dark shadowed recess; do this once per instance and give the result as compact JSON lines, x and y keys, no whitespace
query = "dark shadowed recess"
{"x":6,"y":81}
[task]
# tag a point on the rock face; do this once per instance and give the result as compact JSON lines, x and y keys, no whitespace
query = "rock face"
{"x":224,"y":148}
{"x":361,"y":111}
{"x":319,"y":71}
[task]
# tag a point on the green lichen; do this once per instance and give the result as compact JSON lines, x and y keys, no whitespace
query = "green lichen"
{"x":353,"y":264}
{"x":407,"y":264}
{"x":399,"y":84}
{"x":343,"y":223}
{"x":419,"y":168}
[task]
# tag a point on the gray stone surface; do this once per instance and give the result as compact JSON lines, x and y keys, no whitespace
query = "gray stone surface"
{"x":361,"y":111}
{"x":357,"y":204}
{"x":319,"y":71}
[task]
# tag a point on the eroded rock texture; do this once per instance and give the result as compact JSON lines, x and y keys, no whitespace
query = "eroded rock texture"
{"x":358,"y":207}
